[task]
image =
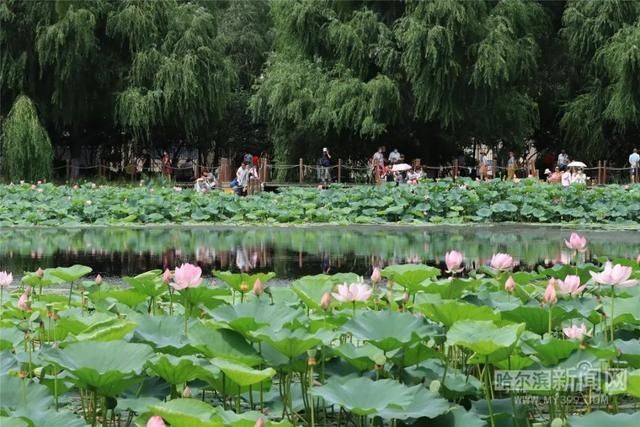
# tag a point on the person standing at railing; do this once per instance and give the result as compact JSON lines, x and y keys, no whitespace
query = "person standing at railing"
{"x":511,"y":166}
{"x":634,"y":161}
{"x":563,"y":159}
{"x":166,"y":164}
{"x":325,"y":163}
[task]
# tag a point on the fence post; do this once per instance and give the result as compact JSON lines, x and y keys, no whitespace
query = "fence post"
{"x":604,"y":172}
{"x":301,"y":170}
{"x":339,"y":170}
{"x":68,"y":171}
{"x":599,"y":172}
{"x":376,"y":172}
{"x":455,"y":169}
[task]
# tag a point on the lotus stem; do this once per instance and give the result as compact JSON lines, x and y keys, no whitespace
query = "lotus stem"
{"x":313,"y":417}
{"x":70,"y":292}
{"x":1,"y":295}
{"x":549,"y":320}
{"x":238,"y":401}
{"x":104,"y":411}
{"x":613,"y":297}
{"x":95,"y":409}
{"x":487,"y":392}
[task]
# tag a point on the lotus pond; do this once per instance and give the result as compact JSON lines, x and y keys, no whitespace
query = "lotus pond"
{"x":294,"y":252}
{"x":409,"y":345}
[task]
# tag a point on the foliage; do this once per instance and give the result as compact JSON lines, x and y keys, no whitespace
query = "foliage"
{"x":26,"y":149}
{"x":434,"y":202}
{"x":388,"y":359}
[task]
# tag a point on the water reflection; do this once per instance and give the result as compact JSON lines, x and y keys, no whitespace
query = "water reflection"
{"x":292,"y":252}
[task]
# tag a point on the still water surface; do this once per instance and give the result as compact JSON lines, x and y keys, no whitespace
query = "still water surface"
{"x":291,"y":252}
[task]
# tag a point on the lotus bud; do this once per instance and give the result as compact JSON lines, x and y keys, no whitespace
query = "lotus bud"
{"x":258,"y":287}
{"x":244,"y":287}
{"x":186,"y":393}
{"x":156,"y":421}
{"x":510,"y":285}
{"x":28,"y":290}
{"x":434,"y":386}
{"x":166,"y":276}
{"x":33,"y":186}
{"x":550,"y":293}
{"x":311,"y":361}
{"x":260,"y":423}
{"x":23,"y":302}
{"x":638,"y":259}
{"x":98,"y":280}
{"x":376,"y":276}
{"x":405,"y":297}
{"x":325,"y":301}
{"x":39,"y":273}
{"x":75,"y":187}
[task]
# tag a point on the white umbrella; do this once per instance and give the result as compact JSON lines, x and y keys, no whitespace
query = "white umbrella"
{"x":576,"y":164}
{"x":401,"y":167}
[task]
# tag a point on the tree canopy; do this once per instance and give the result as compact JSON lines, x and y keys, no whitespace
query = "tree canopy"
{"x":292,"y":76}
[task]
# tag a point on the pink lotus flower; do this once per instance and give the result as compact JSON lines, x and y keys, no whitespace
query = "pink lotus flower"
{"x":638,"y":259}
{"x":23,"y":302}
{"x":376,"y":276}
{"x":40,"y":273}
{"x":510,"y":285}
{"x":166,"y":276}
{"x":156,"y":421}
{"x":453,"y":260}
{"x":325,"y":301}
{"x":576,"y":242}
{"x":571,"y":286}
{"x":260,"y":423}
{"x":575,"y":332}
{"x":502,"y":261}
{"x":258,"y":287}
{"x":353,"y":292}
{"x":98,"y":280}
{"x":187,"y":276}
{"x":549,"y":296}
{"x":5,"y":279}
{"x":614,"y":275}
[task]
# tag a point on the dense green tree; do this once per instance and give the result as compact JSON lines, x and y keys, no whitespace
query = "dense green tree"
{"x":26,"y":148}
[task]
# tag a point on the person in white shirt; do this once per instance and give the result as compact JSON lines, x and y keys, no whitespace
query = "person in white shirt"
{"x":563,"y":159}
{"x":634,"y":161}
{"x":579,"y":177}
{"x":394,"y":156}
{"x":566,"y":178}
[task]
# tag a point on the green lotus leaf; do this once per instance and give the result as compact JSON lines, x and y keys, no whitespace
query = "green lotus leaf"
{"x":600,"y":418}
{"x":164,"y":333}
{"x":10,"y":337}
{"x":13,"y":422}
{"x":293,"y":343}
{"x":343,"y":278}
{"x":410,"y":276}
{"x":137,"y":404}
{"x":414,"y":353}
{"x":485,"y":338}
{"x":253,"y":315}
{"x":310,"y":289}
{"x":363,"y":396}
{"x":458,"y":417}
{"x":450,"y":312}
{"x":174,"y":370}
{"x":187,"y":413}
{"x":222,"y":343}
{"x":109,"y":367}
{"x":107,"y":330}
{"x":234,"y":280}
{"x":148,"y":283}
{"x":248,"y":419}
{"x":8,"y":362}
{"x":423,"y":404}
{"x":386,"y":329}
{"x":633,"y":383}
{"x":456,"y":383}
{"x":537,"y":318}
{"x":450,"y":289}
{"x":207,"y":296}
{"x":550,"y":351}
{"x":626,"y":310}
{"x":69,"y":274}
{"x":629,"y":351}
{"x":52,"y":418}
{"x":362,"y":357}
{"x":129,"y":297}
{"x":242,"y":374}
{"x":20,"y":396}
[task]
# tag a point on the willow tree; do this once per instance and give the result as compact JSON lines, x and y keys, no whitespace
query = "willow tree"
{"x":603,"y":39}
{"x":26,"y":149}
{"x":179,"y":80}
